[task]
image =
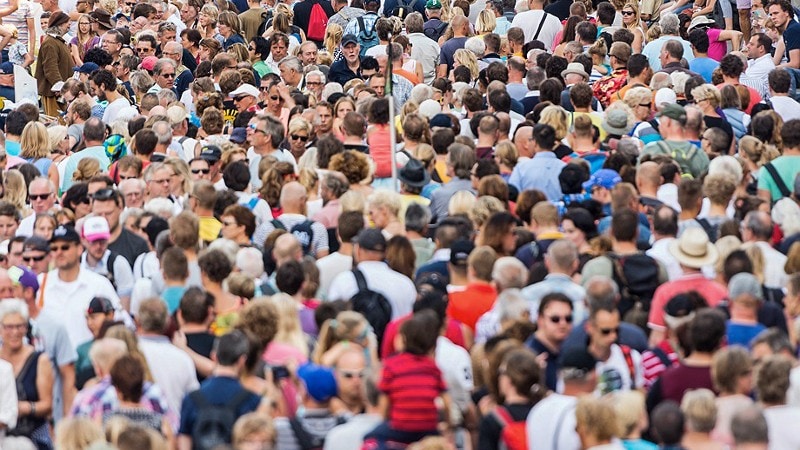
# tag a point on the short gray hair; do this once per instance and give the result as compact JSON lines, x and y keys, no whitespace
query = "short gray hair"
{"x":414,"y":23}
{"x":749,"y":426}
{"x":601,"y":290}
{"x":292,"y":62}
{"x":163,"y":131}
{"x":511,"y":305}
{"x":476,"y":45}
{"x":317,"y":73}
{"x":159,"y":67}
{"x":417,"y":217}
{"x":509,"y":273}
{"x":670,"y":24}
{"x":249,"y":260}
{"x":13,"y":306}
{"x":534,"y":78}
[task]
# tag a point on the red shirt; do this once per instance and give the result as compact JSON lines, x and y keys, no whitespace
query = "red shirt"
{"x":412,"y":383}
{"x":713,"y":292}
{"x":452,"y":332}
{"x":469,"y":305}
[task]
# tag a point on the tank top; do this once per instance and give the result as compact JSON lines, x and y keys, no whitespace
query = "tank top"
{"x":380,"y":149}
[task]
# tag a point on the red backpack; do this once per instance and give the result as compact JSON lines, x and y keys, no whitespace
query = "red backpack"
{"x":514,"y":435}
{"x":317,"y":23}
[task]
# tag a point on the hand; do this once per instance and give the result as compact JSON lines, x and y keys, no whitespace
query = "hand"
{"x":179,"y":340}
{"x":541,"y":358}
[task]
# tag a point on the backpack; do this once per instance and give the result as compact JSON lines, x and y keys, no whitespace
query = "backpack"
{"x":436,"y":32}
{"x":214,"y":424}
{"x":366,"y":39}
{"x":306,"y":440}
{"x":317,"y":23}
{"x":514,"y":435}
{"x":302,"y":231}
{"x":711,"y":230}
{"x":374,"y":306}
{"x":403,"y":8}
{"x":637,"y":278}
{"x":110,"y":269}
{"x":682,"y":158}
{"x":266,"y":16}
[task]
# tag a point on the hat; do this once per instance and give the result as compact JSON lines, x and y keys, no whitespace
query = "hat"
{"x":414,"y":174}
{"x":6,"y":68}
{"x":245,"y":89}
{"x":88,"y":67}
{"x":674,"y":111}
{"x":433,"y":4}
{"x":693,"y":249}
{"x":434,"y":279}
{"x":319,"y":381}
{"x":36,"y":243}
{"x":65,"y":233}
{"x":102,"y":17}
{"x":100,"y":305}
{"x":177,"y":114}
{"x":744,"y":283}
{"x":607,"y":178}
{"x":700,"y":20}
{"x":578,"y":358}
{"x":349,"y":38}
{"x":238,"y":135}
{"x":575,"y":68}
{"x":621,"y":51}
{"x":444,"y":121}
{"x":371,"y":239}
{"x":96,"y":229}
{"x":616,"y":122}
{"x":679,"y":310}
{"x":57,"y":18}
{"x":459,"y":252}
{"x":211,"y":153}
{"x":372,"y":1}
{"x":149,"y":63}
{"x":115,"y":147}
{"x":154,"y":228}
{"x":429,"y":108}
{"x":24,"y":277}
{"x":665,"y":96}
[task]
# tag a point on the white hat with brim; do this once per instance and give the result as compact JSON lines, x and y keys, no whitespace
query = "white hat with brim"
{"x":700,"y":20}
{"x":245,"y":89}
{"x":693,"y":249}
{"x":576,"y":68}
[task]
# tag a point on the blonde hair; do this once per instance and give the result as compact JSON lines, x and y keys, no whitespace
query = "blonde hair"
{"x":637,"y":24}
{"x":353,"y":201}
{"x":700,"y":409}
{"x":707,"y":92}
{"x":289,"y":330}
{"x":486,"y":22}
{"x":14,"y":189}
{"x":756,"y":151}
{"x":250,"y":424}
{"x":556,"y":117}
{"x":87,"y":168}
{"x":309,"y":178}
{"x":597,"y":418}
{"x":506,"y":152}
{"x":122,"y":333}
{"x":483,"y":208}
{"x":333,"y":37}
{"x":55,"y":135}
{"x":82,"y":38}
{"x":34,"y":142}
{"x":347,"y":326}
{"x":638,"y":95}
{"x":599,"y":48}
{"x":467,"y":59}
{"x":77,"y":433}
{"x":389,"y":200}
{"x":461,"y":203}
{"x":299,"y":124}
{"x":181,"y":168}
{"x":629,"y":407}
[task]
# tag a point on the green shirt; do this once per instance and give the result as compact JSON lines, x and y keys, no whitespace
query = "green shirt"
{"x":787,"y":167}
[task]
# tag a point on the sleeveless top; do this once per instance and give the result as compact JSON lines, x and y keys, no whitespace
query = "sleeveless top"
{"x":43,"y":164}
{"x":380,"y":149}
{"x":30,"y":426}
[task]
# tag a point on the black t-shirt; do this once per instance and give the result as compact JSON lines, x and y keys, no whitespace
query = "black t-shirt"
{"x":129,"y":245}
{"x":202,"y":344}
{"x":718,"y":122}
{"x":490,"y":430}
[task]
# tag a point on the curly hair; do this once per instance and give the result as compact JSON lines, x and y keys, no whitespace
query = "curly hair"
{"x":207,"y":100}
{"x":273,"y":180}
{"x":212,"y":121}
{"x":352,"y":164}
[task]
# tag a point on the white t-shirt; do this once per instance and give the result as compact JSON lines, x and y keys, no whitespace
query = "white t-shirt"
{"x":329,"y":267}
{"x":396,"y":287}
{"x":529,"y":22}
{"x":376,"y":51}
{"x":113,"y":109}
{"x":614,"y":374}
{"x":456,"y":366}
{"x":781,"y":421}
{"x":551,"y":424}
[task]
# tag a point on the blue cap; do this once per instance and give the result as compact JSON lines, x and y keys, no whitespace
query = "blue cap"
{"x":6,"y":68}
{"x":320,"y":382}
{"x":239,"y":135}
{"x":606,"y":178}
{"x":86,"y":68}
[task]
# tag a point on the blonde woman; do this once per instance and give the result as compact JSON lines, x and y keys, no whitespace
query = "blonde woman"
{"x":87,"y":168}
{"x":347,"y":329}
{"x":240,"y":52}
{"x":298,"y":136}
{"x":708,"y":98}
{"x":384,"y":208}
{"x":557,"y":117}
{"x":230,"y":27}
{"x":333,"y":40}
{"x":209,"y":14}
{"x":181,"y":183}
{"x":755,"y":154}
{"x":486,"y":22}
{"x":15,"y":191}
{"x":290,"y":345}
{"x":35,"y":145}
{"x":632,"y":21}
{"x":84,"y":39}
{"x":464,"y":57}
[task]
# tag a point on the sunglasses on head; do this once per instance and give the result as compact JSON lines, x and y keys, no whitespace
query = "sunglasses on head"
{"x":203,"y":171}
{"x":104,"y":194}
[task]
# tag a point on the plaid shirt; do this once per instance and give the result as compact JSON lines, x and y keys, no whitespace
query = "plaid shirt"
{"x":92,"y":402}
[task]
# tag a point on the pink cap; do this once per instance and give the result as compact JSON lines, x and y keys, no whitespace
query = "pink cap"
{"x":95,"y":229}
{"x":149,"y":63}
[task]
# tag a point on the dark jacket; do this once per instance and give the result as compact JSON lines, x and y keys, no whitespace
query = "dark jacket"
{"x":341,"y":74}
{"x":54,"y":64}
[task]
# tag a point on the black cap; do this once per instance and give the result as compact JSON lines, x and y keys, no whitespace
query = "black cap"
{"x":349,"y":38}
{"x":459,"y":252}
{"x":65,"y":233}
{"x":371,"y":239}
{"x":578,"y":358}
{"x":100,"y":305}
{"x":154,"y":228}
{"x":36,"y":243}
{"x":211,"y":153}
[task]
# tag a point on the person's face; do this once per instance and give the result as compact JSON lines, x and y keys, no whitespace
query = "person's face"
{"x":230,"y":229}
{"x":642,"y":110}
{"x":174,"y":53}
{"x":555,"y":321}
{"x":314,"y":84}
{"x":753,"y":49}
{"x":166,"y":179}
{"x":109,"y":210}
{"x":308,"y":55}
{"x":84,"y":23}
{"x":37,"y":260}
{"x":97,"y":248}
{"x":44,"y":228}
{"x":82,"y":208}
{"x":167,"y":77}
{"x":188,"y":13}
{"x":200,"y":170}
{"x":759,"y":352}
{"x":290,"y":76}
{"x":66,"y":255}
{"x":274,"y":100}
{"x":325,"y":119}
{"x":14,"y":255}
{"x":350,"y":52}
{"x":14,"y":328}
{"x":144,"y":49}
{"x":42,"y":198}
{"x":243,"y":102}
{"x":379,"y":216}
{"x":350,"y":375}
{"x":343,"y":109}
{"x":224,"y":29}
{"x":279,"y":50}
{"x":778,"y":15}
{"x":574,"y":235}
{"x":95,"y":321}
{"x":134,"y":197}
{"x":298,"y":140}
{"x":628,"y":16}
{"x":8,"y":227}
{"x":257,"y":440}
{"x":604,"y":328}
{"x":128,"y":174}
{"x":379,"y":85}
{"x":110,"y":44}
{"x":204,"y":20}
{"x":256,"y":134}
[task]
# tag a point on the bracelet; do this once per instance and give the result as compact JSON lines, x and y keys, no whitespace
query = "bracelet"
{"x":33,"y":408}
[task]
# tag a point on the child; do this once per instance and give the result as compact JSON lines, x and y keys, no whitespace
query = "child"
{"x":17,"y":52}
{"x":410,"y":384}
{"x":600,"y":68}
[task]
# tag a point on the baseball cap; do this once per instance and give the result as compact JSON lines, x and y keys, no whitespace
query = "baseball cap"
{"x":24,"y":277}
{"x":238,"y":135}
{"x":744,"y":283}
{"x":88,"y":67}
{"x":65,"y":233}
{"x":441,"y":120}
{"x":371,"y":239}
{"x":211,"y":153}
{"x":459,"y":252}
{"x":177,"y":114}
{"x":36,"y":243}
{"x":96,"y":229}
{"x":578,"y":358}
{"x":245,"y":89}
{"x":149,"y":63}
{"x":674,"y":111}
{"x":606,"y":178}
{"x":349,"y":38}
{"x":100,"y":305}
{"x":679,"y":310}
{"x":433,"y":4}
{"x":319,"y":381}
{"x":6,"y":68}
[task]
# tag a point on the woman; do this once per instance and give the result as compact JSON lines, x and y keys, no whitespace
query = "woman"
{"x":84,"y":39}
{"x":707,"y":97}
{"x":579,"y":228}
{"x":59,"y":150}
{"x":700,"y":413}
{"x":633,"y":22}
{"x":383,"y":207}
{"x":596,"y":424}
{"x":209,"y":48}
{"x":180,"y":183}
{"x":15,"y":191}
{"x":640,"y":100}
{"x":755,"y":154}
{"x":290,"y":345}
{"x":343,"y":106}
{"x":732,"y":374}
{"x":253,"y":431}
{"x":259,"y":51}
{"x":632,"y":420}
{"x":127,"y":377}
{"x":272,"y":181}
{"x":400,"y":255}
{"x":209,"y":14}
{"x":518,"y":383}
{"x":190,"y":15}
{"x":464,"y":57}
{"x":283,"y":23}
{"x":333,"y":40}
{"x":486,"y":22}
{"x":731,"y":104}
{"x":240,"y":53}
{"x":77,"y":200}
{"x":279,"y":103}
{"x":567,"y":34}
{"x":355,"y":166}
{"x":336,"y":335}
{"x":498,"y":233}
{"x":297,"y":137}
{"x":230,"y":29}
{"x":44,"y":225}
{"x":33,"y":372}
{"x":190,"y":40}
{"x":505,"y":155}
{"x":35,"y":145}
{"x":557,"y":117}
{"x":409,"y":64}
{"x":238,"y":225}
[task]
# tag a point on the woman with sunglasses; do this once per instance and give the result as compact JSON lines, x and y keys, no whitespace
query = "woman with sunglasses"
{"x":632,"y":21}
{"x":297,"y":137}
{"x":76,"y":199}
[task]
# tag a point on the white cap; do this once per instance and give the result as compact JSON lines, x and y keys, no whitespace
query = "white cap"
{"x":429,"y":108}
{"x":245,"y":89}
{"x":665,"y":95}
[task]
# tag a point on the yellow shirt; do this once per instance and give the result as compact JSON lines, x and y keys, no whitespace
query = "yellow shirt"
{"x":210,"y":228}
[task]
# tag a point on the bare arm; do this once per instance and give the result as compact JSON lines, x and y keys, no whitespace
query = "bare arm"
{"x":44,"y":388}
{"x":67,"y":372}
{"x":794,"y":59}
{"x":441,"y":72}
{"x":184,"y":442}
{"x":765,"y":195}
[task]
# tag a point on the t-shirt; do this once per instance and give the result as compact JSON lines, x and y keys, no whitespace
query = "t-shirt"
{"x":412,"y":383}
{"x":791,"y":37}
{"x":716,"y":48}
{"x":216,"y":391}
{"x":113,"y":109}
{"x":787,"y":166}
{"x":742,"y":334}
{"x":129,"y":245}
{"x":713,"y":292}
{"x":704,"y":66}
{"x":469,"y":305}
{"x":449,"y":49}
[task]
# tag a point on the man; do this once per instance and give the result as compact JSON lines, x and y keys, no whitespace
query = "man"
{"x":201,"y":202}
{"x":488,"y":126}
{"x":344,"y":13}
{"x":291,"y":70}
{"x":108,"y":203}
{"x":461,"y":27}
{"x":251,"y":19}
{"x":541,"y":171}
{"x":366,"y":21}
{"x":7,"y":90}
{"x":701,"y":63}
{"x":423,"y":49}
{"x":760,"y":64}
{"x":68,"y":289}
{"x":104,"y":85}
{"x":54,"y":61}
{"x":370,"y":250}
{"x":607,"y":86}
{"x":265,"y":134}
{"x":353,"y":432}
{"x":42,"y":196}
{"x":693,"y":251}
{"x":670,"y":30}
{"x":354,"y":126}
{"x":172,"y":369}
{"x":754,"y":230}
{"x":779,"y":81}
{"x":102,"y":261}
{"x":639,"y":75}
{"x":315,"y":82}
{"x":111,"y":42}
{"x":36,"y":255}
{"x":561,"y":261}
{"x":750,"y":430}
{"x":460,"y":160}
{"x":516,"y":86}
{"x":774,"y":178}
{"x":182,"y":146}
{"x":782,"y":14}
{"x":351,"y":373}
{"x":94,"y":134}
{"x":671,"y":56}
{"x":349,"y":67}
{"x":245,"y":98}
{"x":183,"y":76}
{"x":478,"y":296}
{"x":732,"y":67}
{"x":223,"y":389}
{"x":553,"y":325}
{"x":537,"y":24}
{"x":665,"y":230}
{"x":312,"y":235}
{"x":448,"y":231}
{"x":319,"y":417}
{"x":333,"y":186}
{"x":164,"y":73}
{"x":9,"y":220}
{"x":672,"y":120}
{"x":349,"y":225}
{"x":78,"y":112}
{"x":434,"y":27}
{"x":212,"y":155}
{"x":746,"y":297}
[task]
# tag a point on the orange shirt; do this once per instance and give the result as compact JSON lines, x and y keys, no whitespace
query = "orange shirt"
{"x":469,"y":305}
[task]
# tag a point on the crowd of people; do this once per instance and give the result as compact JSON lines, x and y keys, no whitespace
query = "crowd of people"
{"x":365,"y":224}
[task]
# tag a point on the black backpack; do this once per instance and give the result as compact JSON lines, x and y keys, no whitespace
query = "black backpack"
{"x":372,"y":305}
{"x":306,"y":440}
{"x":213,"y":426}
{"x":435,"y":32}
{"x":711,"y":230}
{"x":302,"y":231}
{"x":403,"y":8}
{"x":637,"y":278}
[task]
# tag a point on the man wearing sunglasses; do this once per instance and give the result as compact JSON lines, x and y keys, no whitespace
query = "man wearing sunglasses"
{"x":553,"y":325}
{"x":42,"y":195}
{"x":36,"y":254}
{"x":245,"y":98}
{"x":164,"y":73}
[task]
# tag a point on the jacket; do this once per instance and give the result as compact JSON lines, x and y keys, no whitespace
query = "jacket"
{"x":54,"y":64}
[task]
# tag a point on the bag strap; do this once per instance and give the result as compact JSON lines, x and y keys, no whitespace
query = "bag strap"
{"x":662,"y":356}
{"x":773,"y":172}
{"x":32,"y":358}
{"x":502,"y":415}
{"x":301,"y":435}
{"x":360,"y":280}
{"x":40,"y":300}
{"x":199,"y":399}
{"x":278,"y":224}
{"x":361,"y":25}
{"x":626,"y":352}
{"x":560,"y":423}
{"x":541,"y":25}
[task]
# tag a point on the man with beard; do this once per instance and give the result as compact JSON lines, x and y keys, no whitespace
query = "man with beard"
{"x":104,"y":85}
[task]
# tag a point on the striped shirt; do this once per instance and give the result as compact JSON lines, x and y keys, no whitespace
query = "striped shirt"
{"x":412,"y":383}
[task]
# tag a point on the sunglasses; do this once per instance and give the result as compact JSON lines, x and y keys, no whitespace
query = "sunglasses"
{"x":34,"y":197}
{"x":63,"y":247}
{"x":558,"y":319}
{"x":645,"y":105}
{"x":142,"y":50}
{"x":607,"y":331}
{"x":263,"y":88}
{"x":34,"y":258}
{"x":274,"y":97}
{"x":228,"y":223}
{"x":627,"y":13}
{"x":203,"y":171}
{"x":302,"y":138}
{"x":168,"y":75}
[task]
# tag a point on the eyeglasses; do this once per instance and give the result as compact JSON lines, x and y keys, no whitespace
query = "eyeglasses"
{"x":628,"y":13}
{"x":142,"y":50}
{"x":302,"y":138}
{"x":35,"y":197}
{"x":162,"y":181}
{"x":104,"y":194}
{"x":313,"y":83}
{"x":227,"y":223}
{"x":558,"y":319}
{"x":34,"y":258}
{"x":239,"y":98}
{"x":84,"y":23}
{"x":133,"y":194}
{"x":263,"y":88}
{"x":168,"y":75}
{"x":15,"y":326}
{"x":349,"y":375}
{"x":203,"y":171}
{"x":125,"y":177}
{"x":132,"y":4}
{"x":646,"y":105}
{"x":274,"y":98}
{"x":255,"y":128}
{"x":63,"y":247}
{"x":607,"y":331}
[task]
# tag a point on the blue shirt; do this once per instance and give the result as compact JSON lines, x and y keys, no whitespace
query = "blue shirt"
{"x":704,"y":66}
{"x":172,"y":296}
{"x":741,"y":334}
{"x":540,"y":172}
{"x":791,"y":37}
{"x":97,"y":152}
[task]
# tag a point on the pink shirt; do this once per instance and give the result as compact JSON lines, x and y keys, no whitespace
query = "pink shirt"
{"x":716,"y":48}
{"x":713,"y":292}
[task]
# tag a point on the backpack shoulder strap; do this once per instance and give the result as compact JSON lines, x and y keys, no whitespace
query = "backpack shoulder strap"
{"x":302,"y":436}
{"x":112,"y":258}
{"x":360,"y":280}
{"x":626,"y":352}
{"x":278,"y":224}
{"x":502,"y":415}
{"x":773,"y":172}
{"x":662,"y":356}
{"x":361,"y":25}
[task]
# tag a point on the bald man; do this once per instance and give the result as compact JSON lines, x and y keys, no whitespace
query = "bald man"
{"x":522,"y":139}
{"x":648,"y":180}
{"x":313,"y":236}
